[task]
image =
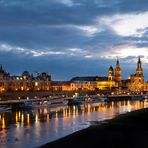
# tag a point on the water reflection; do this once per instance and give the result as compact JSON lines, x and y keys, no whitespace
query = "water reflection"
{"x":35,"y":127}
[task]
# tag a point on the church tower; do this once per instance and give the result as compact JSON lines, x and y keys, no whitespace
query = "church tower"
{"x":111,"y":74}
{"x":139,"y":70}
{"x":118,"y":72}
{"x":111,"y":77}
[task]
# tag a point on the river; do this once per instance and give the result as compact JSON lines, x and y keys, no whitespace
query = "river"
{"x":33,"y":128}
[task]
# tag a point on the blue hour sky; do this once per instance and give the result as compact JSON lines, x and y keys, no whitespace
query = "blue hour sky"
{"x":68,"y":38}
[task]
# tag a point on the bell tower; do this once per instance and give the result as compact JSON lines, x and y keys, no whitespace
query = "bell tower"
{"x":139,"y":70}
{"x":111,"y":74}
{"x":111,"y":77}
{"x":118,"y":71}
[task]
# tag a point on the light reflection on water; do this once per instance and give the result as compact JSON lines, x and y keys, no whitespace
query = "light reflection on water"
{"x":36,"y":127}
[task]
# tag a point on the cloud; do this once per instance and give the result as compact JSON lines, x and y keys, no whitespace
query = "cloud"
{"x":126,"y":52}
{"x":66,"y":2}
{"x":8,"y":48}
{"x":127,"y":24}
{"x":45,"y":53}
{"x":64,"y":35}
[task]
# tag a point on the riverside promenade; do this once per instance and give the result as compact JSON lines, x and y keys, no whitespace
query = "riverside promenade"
{"x":39,"y":94}
{"x":125,"y":131}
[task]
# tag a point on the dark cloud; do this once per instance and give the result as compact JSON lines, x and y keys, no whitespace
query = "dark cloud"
{"x":42,"y":37}
{"x":53,"y":12}
{"x":57,"y":26}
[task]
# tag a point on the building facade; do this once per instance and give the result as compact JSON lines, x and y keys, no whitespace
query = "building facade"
{"x":25,"y":82}
{"x":95,"y":82}
{"x":137,"y":80}
{"x":42,"y":82}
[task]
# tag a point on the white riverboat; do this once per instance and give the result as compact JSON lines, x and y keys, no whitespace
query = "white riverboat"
{"x":30,"y":104}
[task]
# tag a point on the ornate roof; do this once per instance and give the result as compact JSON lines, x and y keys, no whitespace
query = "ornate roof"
{"x":111,"y":68}
{"x":25,"y":73}
{"x":88,"y":78}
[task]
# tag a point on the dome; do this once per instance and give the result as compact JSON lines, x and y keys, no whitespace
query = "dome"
{"x":25,"y":73}
{"x":44,"y":74}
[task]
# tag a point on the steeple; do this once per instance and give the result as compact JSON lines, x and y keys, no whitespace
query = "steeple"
{"x":139,"y":70}
{"x":139,"y":62}
{"x":117,"y":71}
{"x":117,"y":63}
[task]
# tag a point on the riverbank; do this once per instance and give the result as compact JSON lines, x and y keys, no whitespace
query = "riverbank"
{"x":125,"y":131}
{"x":39,"y":94}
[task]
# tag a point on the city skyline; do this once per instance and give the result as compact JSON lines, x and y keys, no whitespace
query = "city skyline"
{"x":36,"y":73}
{"x":68,"y":38}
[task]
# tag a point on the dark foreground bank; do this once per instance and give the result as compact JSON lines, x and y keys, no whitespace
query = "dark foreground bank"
{"x":125,"y":131}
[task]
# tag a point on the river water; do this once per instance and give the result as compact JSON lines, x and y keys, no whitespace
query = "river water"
{"x":29,"y":129}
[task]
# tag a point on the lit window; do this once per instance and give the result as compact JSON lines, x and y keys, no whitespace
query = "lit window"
{"x":36,"y":83}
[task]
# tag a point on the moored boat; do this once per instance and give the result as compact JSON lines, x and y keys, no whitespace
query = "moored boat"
{"x":75,"y":101}
{"x":136,"y":97}
{"x":103,"y":99}
{"x":28,"y":104}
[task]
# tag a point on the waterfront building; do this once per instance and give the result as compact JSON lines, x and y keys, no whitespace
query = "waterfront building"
{"x":94,"y":82}
{"x":84,"y":83}
{"x":137,"y":80}
{"x":60,"y":86}
{"x":25,"y":82}
{"x":42,"y":82}
{"x":146,"y":86}
{"x":4,"y":79}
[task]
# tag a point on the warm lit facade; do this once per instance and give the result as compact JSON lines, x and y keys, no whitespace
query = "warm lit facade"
{"x":42,"y":82}
{"x":60,"y":86}
{"x":25,"y":82}
{"x":137,"y":80}
{"x":146,"y":86}
{"x":95,"y":83}
{"x":83,"y":83}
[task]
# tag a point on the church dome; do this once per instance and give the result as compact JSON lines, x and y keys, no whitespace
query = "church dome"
{"x":25,"y":73}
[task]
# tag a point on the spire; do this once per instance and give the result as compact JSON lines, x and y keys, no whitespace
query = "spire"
{"x":139,"y":59}
{"x":117,"y":63}
{"x":139,"y":62}
{"x":139,"y":70}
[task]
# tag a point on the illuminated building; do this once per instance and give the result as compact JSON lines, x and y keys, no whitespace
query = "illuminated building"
{"x":137,"y":80}
{"x":83,"y":83}
{"x":42,"y":82}
{"x":94,"y":83}
{"x":60,"y":86}
{"x":4,"y":79}
{"x":25,"y":82}
{"x":118,"y":74}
